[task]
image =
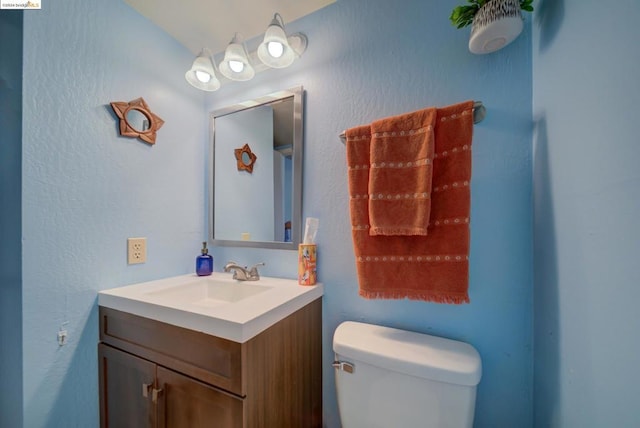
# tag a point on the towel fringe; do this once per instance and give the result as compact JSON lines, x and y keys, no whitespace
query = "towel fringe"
{"x":426,"y":296}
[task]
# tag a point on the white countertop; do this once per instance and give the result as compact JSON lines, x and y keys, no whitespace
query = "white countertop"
{"x":174,"y":301}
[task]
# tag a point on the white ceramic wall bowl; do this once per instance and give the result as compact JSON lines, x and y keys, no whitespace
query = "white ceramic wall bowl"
{"x":495,"y":25}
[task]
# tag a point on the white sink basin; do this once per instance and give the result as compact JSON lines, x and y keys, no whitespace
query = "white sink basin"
{"x":209,"y":292}
{"x":216,"y":304}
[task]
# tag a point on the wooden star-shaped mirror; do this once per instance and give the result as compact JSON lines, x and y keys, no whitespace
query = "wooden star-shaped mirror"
{"x":137,"y":120}
{"x":245,"y":158}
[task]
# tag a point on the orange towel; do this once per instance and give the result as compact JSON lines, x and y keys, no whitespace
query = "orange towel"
{"x":433,"y":267}
{"x":400,"y":173}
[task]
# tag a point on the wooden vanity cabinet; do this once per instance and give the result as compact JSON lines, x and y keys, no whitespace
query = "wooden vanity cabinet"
{"x":124,"y":377}
{"x":154,"y":374}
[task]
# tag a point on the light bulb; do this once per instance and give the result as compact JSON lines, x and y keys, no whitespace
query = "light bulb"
{"x":275,"y":49}
{"x":236,"y":66}
{"x":203,"y":76}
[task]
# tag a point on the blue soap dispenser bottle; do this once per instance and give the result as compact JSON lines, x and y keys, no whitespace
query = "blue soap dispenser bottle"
{"x":204,"y":262}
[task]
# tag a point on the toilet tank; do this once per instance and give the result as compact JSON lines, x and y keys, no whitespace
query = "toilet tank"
{"x":390,"y":378}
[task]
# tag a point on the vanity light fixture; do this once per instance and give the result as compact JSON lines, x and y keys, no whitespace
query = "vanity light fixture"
{"x":277,"y":50}
{"x":202,"y":74}
{"x":235,"y":65}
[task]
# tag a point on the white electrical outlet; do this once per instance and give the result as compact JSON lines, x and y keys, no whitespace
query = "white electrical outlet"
{"x":136,"y":250}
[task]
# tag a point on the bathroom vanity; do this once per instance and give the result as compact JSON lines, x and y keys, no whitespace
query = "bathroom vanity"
{"x":211,"y":352}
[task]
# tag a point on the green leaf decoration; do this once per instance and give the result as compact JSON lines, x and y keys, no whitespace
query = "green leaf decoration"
{"x":462,"y":16}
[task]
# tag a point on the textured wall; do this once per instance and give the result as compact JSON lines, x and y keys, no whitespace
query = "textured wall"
{"x":587,"y":204}
{"x":10,"y":217}
{"x":86,"y":189}
{"x":370,"y":59}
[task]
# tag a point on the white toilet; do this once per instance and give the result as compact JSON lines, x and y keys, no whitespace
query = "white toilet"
{"x":390,"y":378}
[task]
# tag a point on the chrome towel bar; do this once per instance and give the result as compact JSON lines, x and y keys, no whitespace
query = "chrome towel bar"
{"x":479,"y":112}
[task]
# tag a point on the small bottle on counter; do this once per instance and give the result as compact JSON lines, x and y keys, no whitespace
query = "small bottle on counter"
{"x":204,"y":262}
{"x":287,"y":231}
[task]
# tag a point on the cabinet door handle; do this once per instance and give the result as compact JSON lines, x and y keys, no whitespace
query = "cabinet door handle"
{"x":154,"y":394}
{"x":145,"y":389}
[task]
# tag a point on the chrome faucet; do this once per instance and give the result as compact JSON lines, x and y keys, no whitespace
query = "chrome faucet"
{"x":243,"y":273}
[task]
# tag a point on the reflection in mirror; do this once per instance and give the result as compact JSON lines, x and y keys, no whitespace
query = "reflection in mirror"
{"x":245,"y":158}
{"x":137,"y":120}
{"x":267,"y":204}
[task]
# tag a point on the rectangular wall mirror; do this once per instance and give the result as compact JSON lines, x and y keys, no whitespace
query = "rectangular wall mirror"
{"x":260,"y":206}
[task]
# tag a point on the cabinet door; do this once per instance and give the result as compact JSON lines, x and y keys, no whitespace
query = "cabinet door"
{"x":185,"y":402}
{"x":122,"y":389}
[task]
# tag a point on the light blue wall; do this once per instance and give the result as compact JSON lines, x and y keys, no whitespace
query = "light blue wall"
{"x":587,"y":205}
{"x":85,"y":189}
{"x":10,"y":218}
{"x":369,"y":59}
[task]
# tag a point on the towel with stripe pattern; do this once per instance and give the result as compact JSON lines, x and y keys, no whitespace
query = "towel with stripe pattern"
{"x":400,"y":261}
